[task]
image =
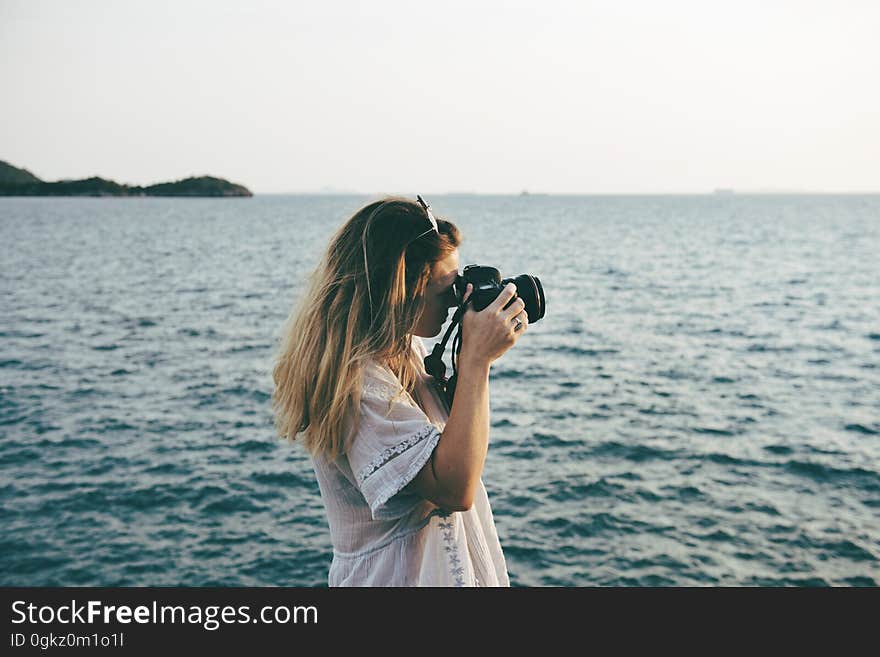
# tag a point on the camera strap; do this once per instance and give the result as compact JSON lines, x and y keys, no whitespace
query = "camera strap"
{"x":434,"y":364}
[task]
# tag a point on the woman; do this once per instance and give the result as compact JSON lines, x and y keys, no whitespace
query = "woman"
{"x":399,"y":472}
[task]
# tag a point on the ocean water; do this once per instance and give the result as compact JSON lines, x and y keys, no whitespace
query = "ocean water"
{"x":700,"y":405}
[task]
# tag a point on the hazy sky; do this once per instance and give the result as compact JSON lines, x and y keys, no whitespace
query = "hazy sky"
{"x":493,"y":97}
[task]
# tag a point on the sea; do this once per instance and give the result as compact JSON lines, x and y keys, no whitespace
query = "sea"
{"x":700,"y":405}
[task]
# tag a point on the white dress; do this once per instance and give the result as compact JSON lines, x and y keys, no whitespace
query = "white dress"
{"x":384,"y":536}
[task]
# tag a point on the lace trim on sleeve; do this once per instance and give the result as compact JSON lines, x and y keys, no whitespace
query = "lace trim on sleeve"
{"x":391,"y":452}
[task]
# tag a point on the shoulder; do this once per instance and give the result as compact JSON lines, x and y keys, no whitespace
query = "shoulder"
{"x":379,"y":382}
{"x":419,"y":346}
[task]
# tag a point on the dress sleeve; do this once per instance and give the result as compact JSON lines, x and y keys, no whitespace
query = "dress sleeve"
{"x":393,"y":442}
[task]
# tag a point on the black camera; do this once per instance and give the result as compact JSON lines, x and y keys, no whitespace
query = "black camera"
{"x":488,"y":284}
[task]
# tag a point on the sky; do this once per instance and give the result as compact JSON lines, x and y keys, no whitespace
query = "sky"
{"x":376,"y":97}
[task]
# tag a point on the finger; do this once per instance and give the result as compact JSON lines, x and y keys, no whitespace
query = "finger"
{"x":515,"y":308}
{"x":503,"y":297}
{"x":467,"y":293}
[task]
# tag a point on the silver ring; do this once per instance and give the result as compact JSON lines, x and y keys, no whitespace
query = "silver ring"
{"x":518,"y":326}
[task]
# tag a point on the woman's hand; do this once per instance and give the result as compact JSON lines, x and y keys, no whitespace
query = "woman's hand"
{"x":487,"y":334}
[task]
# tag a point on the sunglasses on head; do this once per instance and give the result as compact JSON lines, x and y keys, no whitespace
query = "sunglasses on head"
{"x":431,"y":218}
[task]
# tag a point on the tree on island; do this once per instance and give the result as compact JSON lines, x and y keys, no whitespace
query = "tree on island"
{"x":21,"y":182}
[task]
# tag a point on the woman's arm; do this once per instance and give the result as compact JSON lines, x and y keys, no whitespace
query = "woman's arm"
{"x":451,"y":476}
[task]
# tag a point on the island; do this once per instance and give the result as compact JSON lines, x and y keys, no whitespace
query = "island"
{"x":21,"y":182}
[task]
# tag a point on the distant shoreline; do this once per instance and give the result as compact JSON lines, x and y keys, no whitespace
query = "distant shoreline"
{"x":21,"y":182}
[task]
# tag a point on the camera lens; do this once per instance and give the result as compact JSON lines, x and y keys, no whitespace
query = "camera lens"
{"x":530,"y":290}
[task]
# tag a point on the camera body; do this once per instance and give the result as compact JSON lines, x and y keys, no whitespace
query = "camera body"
{"x":488,"y":284}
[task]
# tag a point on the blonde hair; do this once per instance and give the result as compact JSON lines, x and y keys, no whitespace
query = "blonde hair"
{"x":362,"y":304}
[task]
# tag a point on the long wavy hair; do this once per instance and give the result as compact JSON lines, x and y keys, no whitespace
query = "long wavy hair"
{"x":362,"y":304}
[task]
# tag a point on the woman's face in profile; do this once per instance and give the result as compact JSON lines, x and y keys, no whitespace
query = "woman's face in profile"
{"x":439,"y":297}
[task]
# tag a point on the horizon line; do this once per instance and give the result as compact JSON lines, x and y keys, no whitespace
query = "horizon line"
{"x":721,"y":193}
